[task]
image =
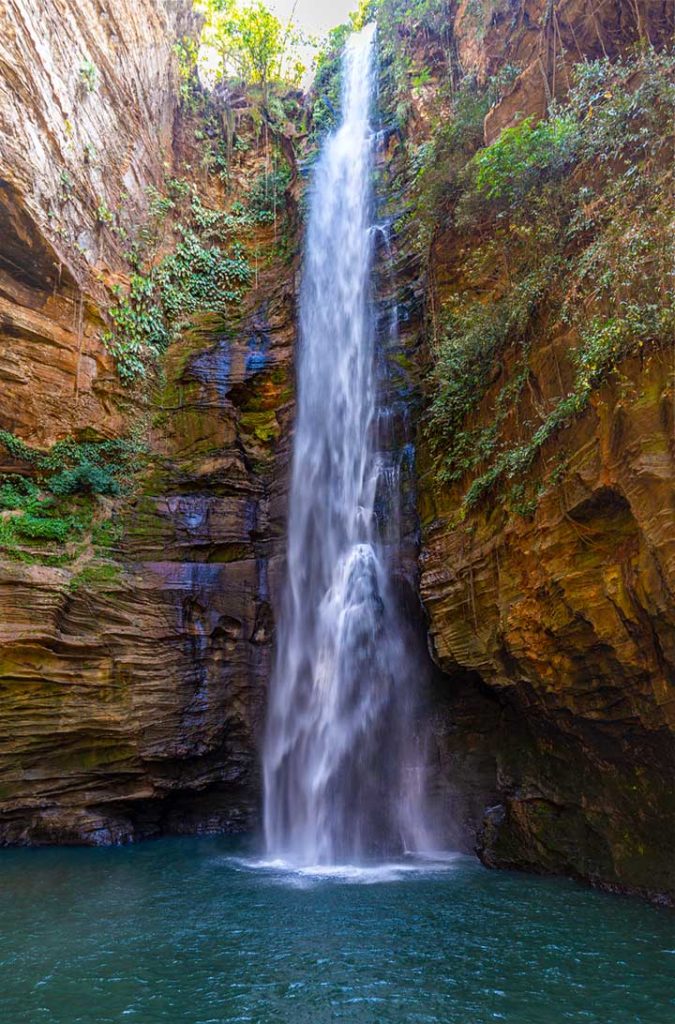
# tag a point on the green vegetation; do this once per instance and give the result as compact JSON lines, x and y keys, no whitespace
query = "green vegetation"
{"x":56,"y":499}
{"x":559,"y":228}
{"x":251,"y":44}
{"x":96,"y":574}
{"x":327,"y":85}
{"x":511,"y":167}
{"x":66,"y":186}
{"x":420,"y":18}
{"x":475,"y":334}
{"x":562,"y":227}
{"x":104,"y":214}
{"x":29,"y":516}
{"x":187,"y":53}
{"x":438,"y":164}
{"x":605,"y":342}
{"x":88,"y":75}
{"x":190,"y":259}
{"x":198,"y":275}
{"x":70,"y":467}
{"x":266,"y":196}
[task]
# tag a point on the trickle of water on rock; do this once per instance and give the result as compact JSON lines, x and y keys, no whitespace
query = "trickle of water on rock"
{"x":342,"y":773}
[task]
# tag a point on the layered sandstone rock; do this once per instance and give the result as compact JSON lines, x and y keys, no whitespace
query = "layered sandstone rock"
{"x":569,"y":619}
{"x":134,"y":704}
{"x":555,"y":727}
{"x":88,"y":97}
{"x":132,"y":685}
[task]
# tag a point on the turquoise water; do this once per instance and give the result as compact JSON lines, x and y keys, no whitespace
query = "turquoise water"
{"x":185,"y":932}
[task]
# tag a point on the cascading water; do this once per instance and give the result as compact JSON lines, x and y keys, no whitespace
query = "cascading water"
{"x":339,"y":782}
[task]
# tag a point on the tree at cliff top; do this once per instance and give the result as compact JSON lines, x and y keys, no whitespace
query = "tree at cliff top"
{"x":251,"y":43}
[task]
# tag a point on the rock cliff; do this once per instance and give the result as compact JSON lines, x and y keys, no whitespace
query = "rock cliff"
{"x":88,"y":95}
{"x":147,"y":325}
{"x":135,"y":624}
{"x":548,"y":529}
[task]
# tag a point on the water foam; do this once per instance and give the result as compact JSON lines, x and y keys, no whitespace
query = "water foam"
{"x":343,"y":778}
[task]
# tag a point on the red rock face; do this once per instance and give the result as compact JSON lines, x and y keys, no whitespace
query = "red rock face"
{"x":116,"y":705}
{"x":71,"y":145}
{"x":568,"y":618}
{"x":555,"y":629}
{"x":135,"y":706}
{"x":132,"y":704}
{"x":544,"y":40}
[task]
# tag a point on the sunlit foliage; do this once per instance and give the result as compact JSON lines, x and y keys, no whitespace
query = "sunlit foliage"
{"x":251,"y":43}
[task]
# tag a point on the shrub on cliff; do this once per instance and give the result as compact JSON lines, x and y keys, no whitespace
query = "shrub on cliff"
{"x":71,"y":467}
{"x":574,"y":211}
{"x":56,"y":499}
{"x":526,"y":154}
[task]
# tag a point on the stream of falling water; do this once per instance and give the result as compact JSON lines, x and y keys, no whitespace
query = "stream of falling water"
{"x":339,"y":765}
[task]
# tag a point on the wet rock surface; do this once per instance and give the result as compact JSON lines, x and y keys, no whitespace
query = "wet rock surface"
{"x":135,"y":707}
{"x":554,"y":712}
{"x":132,"y":703}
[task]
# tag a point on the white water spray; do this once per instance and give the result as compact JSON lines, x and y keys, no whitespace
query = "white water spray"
{"x":340,"y":784}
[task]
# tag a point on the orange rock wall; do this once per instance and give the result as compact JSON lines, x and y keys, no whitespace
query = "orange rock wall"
{"x":66,"y":151}
{"x":132,"y":704}
{"x":555,"y":632}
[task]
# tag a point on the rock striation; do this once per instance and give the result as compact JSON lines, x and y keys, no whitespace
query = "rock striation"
{"x":88,"y":97}
{"x":554,"y":629}
{"x":132,"y":700}
{"x":567,"y":619}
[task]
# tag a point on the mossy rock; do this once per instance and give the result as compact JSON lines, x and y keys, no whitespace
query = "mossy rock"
{"x":98,"y":574}
{"x":262,"y":425}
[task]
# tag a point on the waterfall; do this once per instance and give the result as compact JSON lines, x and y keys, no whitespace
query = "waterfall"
{"x":340,"y":771}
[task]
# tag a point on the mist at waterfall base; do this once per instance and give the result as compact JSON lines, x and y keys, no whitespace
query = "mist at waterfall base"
{"x":343,"y":766}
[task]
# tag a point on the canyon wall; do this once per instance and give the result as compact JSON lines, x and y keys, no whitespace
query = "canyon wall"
{"x":88,"y":96}
{"x":547,"y":566}
{"x":135,"y":651}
